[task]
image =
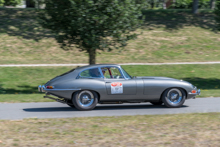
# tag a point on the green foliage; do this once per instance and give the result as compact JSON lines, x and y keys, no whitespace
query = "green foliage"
{"x":217,"y":14}
{"x":39,"y":3}
{"x":188,"y":4}
{"x":178,"y":4}
{"x":92,"y":24}
{"x":2,"y":2}
{"x":12,"y":2}
{"x":1,"y":89}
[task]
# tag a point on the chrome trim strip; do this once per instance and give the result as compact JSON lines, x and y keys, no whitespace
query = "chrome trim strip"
{"x":60,"y":89}
{"x":122,"y":73}
{"x":101,"y":72}
{"x":192,"y":93}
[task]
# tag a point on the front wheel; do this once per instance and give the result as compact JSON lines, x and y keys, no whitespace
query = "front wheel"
{"x":174,"y":97}
{"x":85,"y":100}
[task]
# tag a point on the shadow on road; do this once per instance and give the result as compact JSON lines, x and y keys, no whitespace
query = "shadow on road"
{"x":49,"y":109}
{"x":100,"y":107}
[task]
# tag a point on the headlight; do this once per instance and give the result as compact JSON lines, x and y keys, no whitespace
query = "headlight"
{"x":194,"y":87}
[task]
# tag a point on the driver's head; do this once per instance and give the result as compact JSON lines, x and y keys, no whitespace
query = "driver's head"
{"x":103,"y":71}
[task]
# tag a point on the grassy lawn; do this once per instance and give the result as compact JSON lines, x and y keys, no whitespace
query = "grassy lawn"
{"x":19,"y":84}
{"x":23,"y":98}
{"x":158,"y":130}
{"x":167,"y":36}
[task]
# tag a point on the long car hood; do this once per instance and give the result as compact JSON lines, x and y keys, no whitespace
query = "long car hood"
{"x":162,"y":78}
{"x":156,"y":78}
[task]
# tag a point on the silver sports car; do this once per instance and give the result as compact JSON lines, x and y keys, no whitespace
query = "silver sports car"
{"x":86,"y":86}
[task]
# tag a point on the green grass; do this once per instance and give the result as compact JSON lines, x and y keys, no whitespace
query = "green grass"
{"x":149,"y":130}
{"x":23,"y":98}
{"x":19,"y":84}
{"x":168,"y":36}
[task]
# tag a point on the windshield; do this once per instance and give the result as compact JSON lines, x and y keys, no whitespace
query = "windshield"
{"x":126,"y":74}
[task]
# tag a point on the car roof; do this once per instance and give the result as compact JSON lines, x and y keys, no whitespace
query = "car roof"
{"x":95,"y":66}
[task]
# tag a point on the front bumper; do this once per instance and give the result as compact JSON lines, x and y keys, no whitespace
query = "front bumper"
{"x":193,"y":95}
{"x":41,"y":88}
{"x":198,"y":92}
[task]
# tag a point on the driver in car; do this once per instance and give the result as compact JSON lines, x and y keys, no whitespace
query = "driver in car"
{"x":103,"y":71}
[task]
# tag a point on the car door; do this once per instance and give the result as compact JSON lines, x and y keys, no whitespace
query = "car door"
{"x":117,"y":84}
{"x":121,"y":87}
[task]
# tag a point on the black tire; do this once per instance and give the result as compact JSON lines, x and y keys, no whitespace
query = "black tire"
{"x":70,"y":103}
{"x":174,"y":97}
{"x":85,"y":100}
{"x":157,"y":103}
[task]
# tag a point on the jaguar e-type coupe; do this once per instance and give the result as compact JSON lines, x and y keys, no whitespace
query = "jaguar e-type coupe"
{"x":84,"y":87}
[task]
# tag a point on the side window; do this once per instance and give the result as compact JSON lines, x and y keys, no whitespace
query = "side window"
{"x":90,"y":73}
{"x":106,"y":73}
{"x":111,"y":73}
{"x":116,"y":73}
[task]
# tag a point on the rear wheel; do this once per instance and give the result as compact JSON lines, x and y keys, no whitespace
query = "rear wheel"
{"x":85,"y":100}
{"x":157,"y":103}
{"x":174,"y":97}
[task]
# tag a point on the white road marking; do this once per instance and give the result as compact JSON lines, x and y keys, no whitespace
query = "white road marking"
{"x":83,"y":64}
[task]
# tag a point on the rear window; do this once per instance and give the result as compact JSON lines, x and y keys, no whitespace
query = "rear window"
{"x":90,"y":73}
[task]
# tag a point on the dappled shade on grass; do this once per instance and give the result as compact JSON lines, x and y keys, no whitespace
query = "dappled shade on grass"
{"x":24,"y":41}
{"x":22,"y":23}
{"x":178,"y":19}
{"x":23,"y":89}
{"x":203,"y":83}
{"x":25,"y":80}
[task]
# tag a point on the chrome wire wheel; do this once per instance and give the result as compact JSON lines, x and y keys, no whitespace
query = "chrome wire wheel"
{"x":174,"y":96}
{"x":85,"y":98}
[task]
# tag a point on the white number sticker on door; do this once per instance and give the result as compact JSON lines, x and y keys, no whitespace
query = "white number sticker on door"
{"x":116,"y":88}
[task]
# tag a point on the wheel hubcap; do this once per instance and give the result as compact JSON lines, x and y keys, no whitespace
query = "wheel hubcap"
{"x":85,"y":98}
{"x":174,"y":96}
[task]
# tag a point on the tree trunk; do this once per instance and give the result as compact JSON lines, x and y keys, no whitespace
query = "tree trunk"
{"x":195,"y":6}
{"x":164,"y":4}
{"x":152,"y":5}
{"x":92,"y":55}
{"x":174,"y":4}
{"x":212,"y":4}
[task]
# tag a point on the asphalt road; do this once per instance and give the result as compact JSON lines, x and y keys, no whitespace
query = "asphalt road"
{"x":14,"y":111}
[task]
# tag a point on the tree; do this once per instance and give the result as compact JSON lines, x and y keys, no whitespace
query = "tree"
{"x":92,"y":25}
{"x":212,"y":4}
{"x":12,"y":2}
{"x":217,"y":14}
{"x":195,"y":6}
{"x":164,"y":4}
{"x":2,"y":2}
